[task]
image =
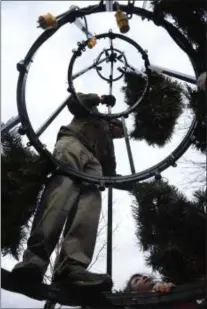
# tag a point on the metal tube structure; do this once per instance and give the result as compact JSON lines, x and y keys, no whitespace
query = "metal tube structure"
{"x":106,"y":52}
{"x":51,"y":118}
{"x":61,"y":107}
{"x":144,"y":4}
{"x":56,"y":294}
{"x":185,"y":77}
{"x":16,"y":120}
{"x":88,"y":68}
{"x":140,"y":50}
{"x":128,"y":147}
{"x":109,"y":5}
{"x":110,"y":192}
{"x":24,"y":66}
{"x":79,"y":24}
{"x":82,"y":28}
{"x":109,"y":232}
{"x":10,"y":124}
{"x":111,"y":73}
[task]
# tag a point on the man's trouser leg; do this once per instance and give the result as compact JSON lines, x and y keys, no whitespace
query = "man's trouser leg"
{"x":58,"y":199}
{"x":60,"y":196}
{"x":80,"y":235}
{"x":80,"y":232}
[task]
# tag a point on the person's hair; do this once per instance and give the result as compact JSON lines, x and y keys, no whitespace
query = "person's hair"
{"x":128,"y":287}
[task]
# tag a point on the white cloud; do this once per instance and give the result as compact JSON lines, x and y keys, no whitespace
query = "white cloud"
{"x":47,"y":87}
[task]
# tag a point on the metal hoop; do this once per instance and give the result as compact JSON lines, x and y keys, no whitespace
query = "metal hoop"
{"x":99,"y":58}
{"x":23,"y":68}
{"x":78,"y":52}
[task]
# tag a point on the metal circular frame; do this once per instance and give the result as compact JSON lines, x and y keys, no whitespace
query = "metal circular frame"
{"x":99,"y":58}
{"x":23,"y":68}
{"x":77,"y":53}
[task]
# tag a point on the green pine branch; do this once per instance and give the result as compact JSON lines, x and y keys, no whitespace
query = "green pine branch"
{"x":171,"y":229}
{"x":24,"y":173}
{"x":155,"y":117}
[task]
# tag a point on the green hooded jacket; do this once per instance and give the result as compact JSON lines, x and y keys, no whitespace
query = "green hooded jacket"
{"x":92,"y":132}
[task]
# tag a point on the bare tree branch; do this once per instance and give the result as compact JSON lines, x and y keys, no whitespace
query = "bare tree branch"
{"x":196,"y":173}
{"x":98,"y":255}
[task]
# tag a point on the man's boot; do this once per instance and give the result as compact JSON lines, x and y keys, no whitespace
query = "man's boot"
{"x":78,"y":276}
{"x":27,"y":272}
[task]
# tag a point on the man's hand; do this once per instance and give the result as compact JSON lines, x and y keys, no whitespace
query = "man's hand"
{"x":163,"y":287}
{"x":109,"y":100}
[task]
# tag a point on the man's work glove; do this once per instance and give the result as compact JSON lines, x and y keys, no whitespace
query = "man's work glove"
{"x":163,"y":287}
{"x":109,"y":100}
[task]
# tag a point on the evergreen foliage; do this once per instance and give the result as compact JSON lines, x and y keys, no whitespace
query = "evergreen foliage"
{"x":155,"y":117}
{"x":23,"y":175}
{"x":171,"y":230}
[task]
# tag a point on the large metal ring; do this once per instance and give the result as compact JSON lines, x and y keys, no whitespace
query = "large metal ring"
{"x":23,"y":68}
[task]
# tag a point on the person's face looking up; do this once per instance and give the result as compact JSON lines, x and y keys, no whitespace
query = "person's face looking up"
{"x":141,"y":283}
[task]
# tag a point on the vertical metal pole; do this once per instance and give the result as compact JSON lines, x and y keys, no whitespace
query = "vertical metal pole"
{"x":109,"y":5}
{"x":109,"y":232}
{"x":110,"y":195}
{"x":129,"y":151}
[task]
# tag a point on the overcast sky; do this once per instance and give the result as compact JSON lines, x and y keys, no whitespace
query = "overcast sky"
{"x":47,"y":88}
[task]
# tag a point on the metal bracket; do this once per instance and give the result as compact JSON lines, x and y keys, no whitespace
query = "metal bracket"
{"x":78,"y":23}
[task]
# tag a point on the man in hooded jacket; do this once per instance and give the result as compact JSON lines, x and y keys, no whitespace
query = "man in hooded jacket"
{"x":86,"y":145}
